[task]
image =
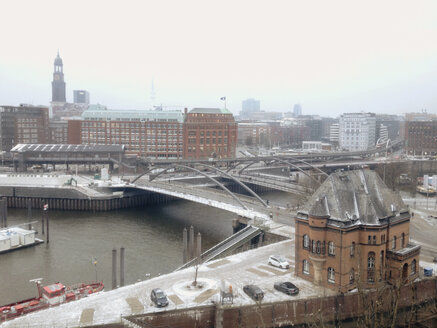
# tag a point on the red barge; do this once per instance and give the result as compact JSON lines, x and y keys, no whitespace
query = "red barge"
{"x":49,"y":296}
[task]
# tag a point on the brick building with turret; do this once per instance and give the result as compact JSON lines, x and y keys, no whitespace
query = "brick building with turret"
{"x":355,"y":232}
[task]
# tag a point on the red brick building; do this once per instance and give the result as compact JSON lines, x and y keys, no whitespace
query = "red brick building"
{"x":421,"y":137}
{"x":201,"y":133}
{"x":209,"y":132}
{"x":155,"y":134}
{"x":254,"y":133}
{"x":354,"y":231}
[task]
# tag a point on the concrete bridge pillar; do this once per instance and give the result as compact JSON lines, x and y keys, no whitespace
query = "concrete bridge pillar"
{"x":191,"y":243}
{"x":185,"y":245}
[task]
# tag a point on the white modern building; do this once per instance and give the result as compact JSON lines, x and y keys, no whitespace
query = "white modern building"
{"x":250,"y":105}
{"x":357,"y":131}
{"x":334,"y":133}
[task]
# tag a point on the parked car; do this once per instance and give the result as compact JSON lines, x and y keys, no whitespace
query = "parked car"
{"x":286,"y":287}
{"x":254,"y":292}
{"x":278,"y":261}
{"x":158,"y":297}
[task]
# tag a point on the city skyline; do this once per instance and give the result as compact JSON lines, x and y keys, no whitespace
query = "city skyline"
{"x":331,"y":58}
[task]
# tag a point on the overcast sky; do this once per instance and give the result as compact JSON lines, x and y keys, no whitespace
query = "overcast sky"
{"x":330,"y":56}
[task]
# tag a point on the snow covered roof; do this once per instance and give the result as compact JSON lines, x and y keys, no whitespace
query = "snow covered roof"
{"x":66,"y":148}
{"x":354,"y":197}
{"x":210,"y":111}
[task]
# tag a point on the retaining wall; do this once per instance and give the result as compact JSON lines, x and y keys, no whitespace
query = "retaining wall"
{"x":73,"y":200}
{"x":417,"y":302}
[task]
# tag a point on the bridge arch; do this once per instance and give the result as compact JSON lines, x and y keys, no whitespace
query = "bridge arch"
{"x":199,"y":172}
{"x":298,"y":168}
{"x":254,"y":194}
{"x":285,"y":162}
{"x":277,"y":159}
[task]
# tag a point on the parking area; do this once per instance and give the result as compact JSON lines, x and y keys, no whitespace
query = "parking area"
{"x":235,"y":271}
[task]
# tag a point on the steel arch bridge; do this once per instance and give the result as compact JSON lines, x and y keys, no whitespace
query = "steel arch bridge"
{"x":215,"y":181}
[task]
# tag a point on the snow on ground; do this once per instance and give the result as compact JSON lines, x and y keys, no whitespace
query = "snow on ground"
{"x":238,"y":270}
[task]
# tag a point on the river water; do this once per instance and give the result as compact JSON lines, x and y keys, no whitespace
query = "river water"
{"x":151,"y":236}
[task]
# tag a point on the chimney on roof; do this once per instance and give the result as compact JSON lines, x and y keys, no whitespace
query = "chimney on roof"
{"x":185,"y":110}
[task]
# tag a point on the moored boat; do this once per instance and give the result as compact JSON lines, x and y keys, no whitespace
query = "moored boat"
{"x":430,"y":191}
{"x":48,"y":296}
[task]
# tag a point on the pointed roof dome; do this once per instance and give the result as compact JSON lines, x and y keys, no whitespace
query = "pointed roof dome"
{"x":352,"y":197}
{"x":58,"y":60}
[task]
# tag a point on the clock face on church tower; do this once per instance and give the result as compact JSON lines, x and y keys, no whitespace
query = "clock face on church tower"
{"x":57,"y":77}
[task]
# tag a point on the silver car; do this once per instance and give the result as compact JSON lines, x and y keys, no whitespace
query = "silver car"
{"x":279,"y":262}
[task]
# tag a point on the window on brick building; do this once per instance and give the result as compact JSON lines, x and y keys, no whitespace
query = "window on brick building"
{"x":306,"y":241}
{"x":374,"y":240}
{"x":353,"y":248}
{"x":313,"y":248}
{"x":331,"y":248}
{"x":393,"y":243}
{"x":318,"y":246}
{"x":381,"y":260}
{"x":306,"y":267}
{"x":371,"y":267}
{"x":331,"y":275}
{"x":369,"y":239}
{"x":352,"y":276}
{"x":413,"y":267}
{"x":403,"y":240}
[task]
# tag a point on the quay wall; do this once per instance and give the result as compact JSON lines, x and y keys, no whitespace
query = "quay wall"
{"x":74,"y":200}
{"x":416,"y":304}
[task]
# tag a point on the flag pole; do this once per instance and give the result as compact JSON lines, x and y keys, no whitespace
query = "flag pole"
{"x":224,"y":100}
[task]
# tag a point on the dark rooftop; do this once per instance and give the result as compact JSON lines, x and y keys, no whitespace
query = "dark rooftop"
{"x":65,"y":148}
{"x":354,"y":197}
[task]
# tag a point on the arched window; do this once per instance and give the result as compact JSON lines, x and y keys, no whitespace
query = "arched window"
{"x":324,"y":248}
{"x":403,"y":240}
{"x":306,"y":267}
{"x":353,"y":248}
{"x":374,"y":240}
{"x":371,"y":267}
{"x":393,"y":243}
{"x":306,"y":241}
{"x":331,"y":248}
{"x":318,"y":247}
{"x":381,"y":260}
{"x":413,"y":267}
{"x":352,"y":276}
{"x":331,"y":275}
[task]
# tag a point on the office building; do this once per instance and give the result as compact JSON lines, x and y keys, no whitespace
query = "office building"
{"x":23,"y":124}
{"x":250,"y":105}
{"x":147,"y":133}
{"x":254,"y":134}
{"x":209,"y":133}
{"x":81,"y":97}
{"x":297,"y":110}
{"x":357,"y":131}
{"x":421,"y":137}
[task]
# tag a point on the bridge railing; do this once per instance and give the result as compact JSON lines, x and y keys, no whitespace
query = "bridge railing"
{"x":248,"y":231}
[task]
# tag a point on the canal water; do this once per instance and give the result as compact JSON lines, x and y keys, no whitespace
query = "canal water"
{"x":151,"y":236}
